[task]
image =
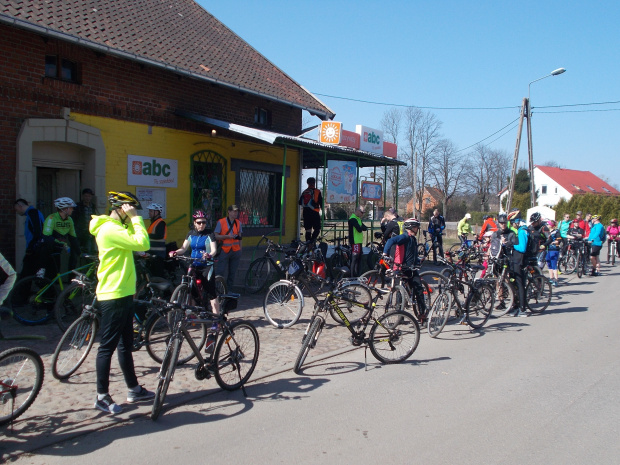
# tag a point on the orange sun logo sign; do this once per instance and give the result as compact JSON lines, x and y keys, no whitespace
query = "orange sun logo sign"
{"x":330,"y":132}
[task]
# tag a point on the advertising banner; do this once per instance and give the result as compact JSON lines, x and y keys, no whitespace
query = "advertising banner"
{"x":371,"y":190}
{"x":341,"y":181}
{"x":151,"y":171}
{"x":371,"y":140}
{"x":330,"y":132}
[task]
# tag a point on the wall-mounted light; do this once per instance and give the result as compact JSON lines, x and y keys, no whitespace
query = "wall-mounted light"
{"x":213,"y":133}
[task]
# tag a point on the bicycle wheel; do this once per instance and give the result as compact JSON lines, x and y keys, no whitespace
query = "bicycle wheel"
{"x":21,"y":377}
{"x":166,"y":373}
{"x":580,"y":266}
{"x":373,"y":256}
{"x":538,"y":294}
{"x":439,"y":314}
{"x":236,"y":355}
{"x":437,"y":283}
{"x":395,"y":300}
{"x":31,"y":306}
{"x":479,"y":306}
{"x":354,"y":300}
{"x":283,"y":304}
{"x":309,"y":341}
{"x":70,"y":303}
{"x":220,"y":285}
{"x":375,"y":278}
{"x":74,"y":346}
{"x":613,"y":257}
{"x":504,"y":299}
{"x":197,"y":331}
{"x":569,"y":263}
{"x":258,"y":275}
{"x":338,"y":260}
{"x":394,"y":337}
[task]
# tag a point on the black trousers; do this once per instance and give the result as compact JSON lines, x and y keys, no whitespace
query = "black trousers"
{"x":437,"y":244}
{"x":312,"y":223}
{"x":516,"y":268}
{"x":116,"y":331}
{"x":415,"y":282}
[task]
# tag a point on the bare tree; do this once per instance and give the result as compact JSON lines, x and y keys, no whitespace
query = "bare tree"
{"x":479,"y":174}
{"x":391,"y":125}
{"x":501,"y":162}
{"x":413,"y":119}
{"x":447,"y":171}
{"x":428,"y":139}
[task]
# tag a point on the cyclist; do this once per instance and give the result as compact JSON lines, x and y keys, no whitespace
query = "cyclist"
{"x":552,"y":245}
{"x":356,"y":239}
{"x":464,"y":228}
{"x":118,"y":236}
{"x":436,"y":225}
{"x":59,"y":234}
{"x":311,"y":201}
{"x":158,"y":231}
{"x":203,"y":245}
{"x":539,"y":230}
{"x":33,"y":232}
{"x":563,"y":229}
{"x":516,"y":261}
{"x":408,"y":239}
{"x":501,"y":243}
{"x":597,"y":237}
{"x":488,"y":227}
{"x":612,"y":234}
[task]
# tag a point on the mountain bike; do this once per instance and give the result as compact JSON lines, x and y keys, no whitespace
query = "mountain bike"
{"x":21,"y":378}
{"x":611,"y":251}
{"x":33,"y":298}
{"x":267,"y":269}
{"x":393,"y":336}
{"x":582,"y":260}
{"x":234,"y":358}
{"x":567,"y":263}
{"x":151,"y":329}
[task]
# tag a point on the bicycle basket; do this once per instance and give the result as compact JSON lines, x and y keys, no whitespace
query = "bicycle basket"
{"x":295,"y":268}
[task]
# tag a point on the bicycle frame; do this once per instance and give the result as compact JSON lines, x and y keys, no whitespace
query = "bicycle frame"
{"x":38,"y":298}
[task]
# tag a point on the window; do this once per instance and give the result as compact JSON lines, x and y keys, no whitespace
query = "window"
{"x":556,"y":190}
{"x":259,"y":198}
{"x":606,"y":190}
{"x":262,"y":117}
{"x":61,"y":68}
{"x":543,"y":189}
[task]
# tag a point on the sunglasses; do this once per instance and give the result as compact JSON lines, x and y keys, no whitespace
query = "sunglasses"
{"x":200,"y":222}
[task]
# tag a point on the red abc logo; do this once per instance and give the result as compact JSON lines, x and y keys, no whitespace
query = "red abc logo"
{"x":136,"y":167}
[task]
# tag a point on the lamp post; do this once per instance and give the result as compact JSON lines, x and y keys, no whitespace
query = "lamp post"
{"x":530,"y":148}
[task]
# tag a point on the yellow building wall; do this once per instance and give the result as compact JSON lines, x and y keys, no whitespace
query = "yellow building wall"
{"x":123,"y":138}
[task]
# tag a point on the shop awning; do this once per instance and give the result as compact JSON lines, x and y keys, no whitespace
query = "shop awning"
{"x":313,"y":152}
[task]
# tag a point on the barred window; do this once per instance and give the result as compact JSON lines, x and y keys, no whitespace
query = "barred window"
{"x":259,"y":198}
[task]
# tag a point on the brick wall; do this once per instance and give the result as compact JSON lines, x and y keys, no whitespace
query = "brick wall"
{"x":110,"y":87}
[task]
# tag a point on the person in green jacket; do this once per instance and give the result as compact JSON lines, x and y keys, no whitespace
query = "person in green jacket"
{"x":356,"y":239}
{"x":464,"y":228}
{"x":118,"y":236}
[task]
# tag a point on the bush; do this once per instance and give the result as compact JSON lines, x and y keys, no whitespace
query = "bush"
{"x":605,"y":205}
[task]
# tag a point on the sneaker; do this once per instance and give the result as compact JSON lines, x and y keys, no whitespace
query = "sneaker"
{"x":142,"y":394}
{"x":521,"y":314}
{"x":41,"y":273}
{"x":107,"y":405}
{"x":210,"y":344}
{"x":501,"y":306}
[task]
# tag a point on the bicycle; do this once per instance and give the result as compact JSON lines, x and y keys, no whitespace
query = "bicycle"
{"x":263,"y":270}
{"x":341,"y":256}
{"x":567,"y":263}
{"x":234,"y":358}
{"x":611,"y":251}
{"x":33,"y":298}
{"x":150,"y":329}
{"x":21,"y":378}
{"x":478,"y":305}
{"x":538,"y":290}
{"x":393,"y":336}
{"x":582,"y":260}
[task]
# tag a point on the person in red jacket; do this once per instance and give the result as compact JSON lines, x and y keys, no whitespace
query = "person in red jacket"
{"x":488,"y":227}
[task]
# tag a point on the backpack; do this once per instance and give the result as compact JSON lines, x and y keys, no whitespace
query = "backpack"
{"x":532,"y":247}
{"x":307,"y":198}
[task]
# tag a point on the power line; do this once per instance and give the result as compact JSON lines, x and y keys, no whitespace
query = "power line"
{"x":576,"y":111}
{"x":488,"y":137}
{"x":579,"y":104}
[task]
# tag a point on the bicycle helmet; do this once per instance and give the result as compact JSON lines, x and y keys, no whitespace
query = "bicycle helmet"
{"x":411,"y":223}
{"x":485,"y":217}
{"x":64,"y":202}
{"x":501,"y":218}
{"x":534,"y":217}
{"x":596,"y":217}
{"x":615,"y":220}
{"x":515,"y":214}
{"x":468,"y":216}
{"x":199,"y":214}
{"x":118,"y":199}
{"x":155,"y":206}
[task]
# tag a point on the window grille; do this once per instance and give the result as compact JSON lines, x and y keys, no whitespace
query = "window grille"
{"x":259,"y":198}
{"x":208,"y":192}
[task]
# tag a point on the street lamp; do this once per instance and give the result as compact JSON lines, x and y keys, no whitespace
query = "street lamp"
{"x":530,"y":147}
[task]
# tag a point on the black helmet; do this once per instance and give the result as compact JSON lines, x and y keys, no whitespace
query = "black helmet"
{"x":534,"y":217}
{"x":411,"y":223}
{"x":118,"y":199}
{"x":486,"y":217}
{"x":502,"y":218}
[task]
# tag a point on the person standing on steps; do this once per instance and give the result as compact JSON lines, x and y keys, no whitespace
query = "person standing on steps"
{"x":229,"y":231}
{"x":311,"y":202}
{"x":356,"y":239}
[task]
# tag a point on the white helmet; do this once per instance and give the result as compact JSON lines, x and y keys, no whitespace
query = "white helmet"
{"x":64,"y":202}
{"x":155,"y":206}
{"x":468,"y":216}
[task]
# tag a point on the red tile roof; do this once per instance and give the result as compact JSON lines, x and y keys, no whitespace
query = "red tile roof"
{"x":578,"y":182}
{"x":176,"y":34}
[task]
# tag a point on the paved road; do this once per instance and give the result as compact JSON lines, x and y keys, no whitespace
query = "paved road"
{"x":534,"y":390}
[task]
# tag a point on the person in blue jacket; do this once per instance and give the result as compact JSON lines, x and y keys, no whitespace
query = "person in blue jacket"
{"x":597,"y":237}
{"x":516,"y":261}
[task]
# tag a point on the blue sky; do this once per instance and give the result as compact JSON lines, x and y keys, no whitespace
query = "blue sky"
{"x":447,"y":54}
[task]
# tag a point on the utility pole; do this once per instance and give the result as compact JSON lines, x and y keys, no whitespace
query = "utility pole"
{"x":515,"y":160}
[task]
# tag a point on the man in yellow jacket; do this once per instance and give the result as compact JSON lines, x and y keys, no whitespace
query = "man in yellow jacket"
{"x":118,"y":236}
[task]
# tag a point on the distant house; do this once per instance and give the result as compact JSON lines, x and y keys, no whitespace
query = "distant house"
{"x":554,"y":184}
{"x":431,"y":198}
